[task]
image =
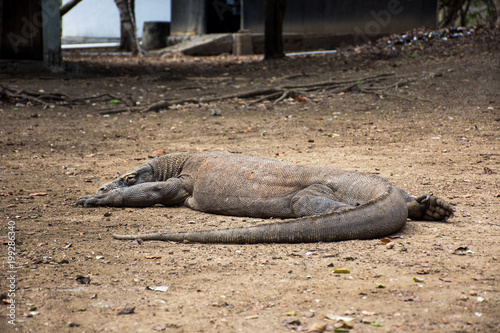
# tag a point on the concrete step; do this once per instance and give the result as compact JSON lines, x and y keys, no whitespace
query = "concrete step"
{"x":211,"y":44}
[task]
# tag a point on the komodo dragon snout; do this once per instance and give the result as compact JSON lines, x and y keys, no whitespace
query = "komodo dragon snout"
{"x":143,"y":174}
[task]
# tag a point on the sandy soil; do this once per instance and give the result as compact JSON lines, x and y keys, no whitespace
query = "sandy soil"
{"x":436,"y":132}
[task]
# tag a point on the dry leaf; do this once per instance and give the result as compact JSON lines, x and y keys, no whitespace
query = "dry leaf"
{"x":39,"y":194}
{"x":409,"y":299}
{"x":126,"y":310}
{"x":385,"y":240}
{"x":317,"y":328}
{"x":83,"y":279}
{"x":423,"y":271}
{"x":152,"y":257}
{"x":447,"y":279}
{"x":368,"y":313}
{"x":159,"y":152}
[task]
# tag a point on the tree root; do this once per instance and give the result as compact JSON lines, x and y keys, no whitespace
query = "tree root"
{"x":22,"y":96}
{"x":90,"y":98}
{"x":278,"y":94}
{"x":47,"y":99}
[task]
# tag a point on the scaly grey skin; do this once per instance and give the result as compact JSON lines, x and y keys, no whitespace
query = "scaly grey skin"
{"x":319,"y":204}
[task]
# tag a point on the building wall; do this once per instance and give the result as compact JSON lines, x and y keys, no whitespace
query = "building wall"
{"x":368,"y":17}
{"x":363,"y":18}
{"x":188,"y":18}
{"x":198,"y":17}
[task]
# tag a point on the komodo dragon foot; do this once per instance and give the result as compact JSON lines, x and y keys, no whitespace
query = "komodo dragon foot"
{"x":431,"y":208}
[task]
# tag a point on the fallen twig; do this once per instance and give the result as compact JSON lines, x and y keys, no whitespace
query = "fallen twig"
{"x":118,"y":110}
{"x":90,"y":98}
{"x":270,"y":96}
{"x":287,"y":94}
{"x":336,"y":83}
{"x":164,"y":103}
{"x":23,"y":96}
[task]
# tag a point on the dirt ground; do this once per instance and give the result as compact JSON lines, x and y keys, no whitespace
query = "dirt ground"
{"x":436,"y":131}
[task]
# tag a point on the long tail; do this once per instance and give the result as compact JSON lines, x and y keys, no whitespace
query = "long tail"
{"x":379,"y":217}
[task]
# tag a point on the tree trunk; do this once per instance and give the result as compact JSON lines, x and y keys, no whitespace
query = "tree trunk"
{"x":128,"y":36}
{"x":495,"y":6}
{"x":452,"y":10}
{"x":273,"y":29}
{"x":68,"y":6}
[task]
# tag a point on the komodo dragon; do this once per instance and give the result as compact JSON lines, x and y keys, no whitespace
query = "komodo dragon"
{"x":320,"y":204}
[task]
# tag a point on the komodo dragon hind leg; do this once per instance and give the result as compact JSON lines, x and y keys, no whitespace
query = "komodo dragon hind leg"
{"x":431,"y":208}
{"x":315,"y":200}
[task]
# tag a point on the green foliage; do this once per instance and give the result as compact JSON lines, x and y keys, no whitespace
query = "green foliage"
{"x":466,"y":12}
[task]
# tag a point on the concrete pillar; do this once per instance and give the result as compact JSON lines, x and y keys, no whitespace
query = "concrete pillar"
{"x":51,"y":30}
{"x":155,"y":35}
{"x":242,"y":43}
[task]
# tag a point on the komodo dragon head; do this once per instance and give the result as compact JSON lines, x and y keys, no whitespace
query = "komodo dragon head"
{"x":142,"y":174}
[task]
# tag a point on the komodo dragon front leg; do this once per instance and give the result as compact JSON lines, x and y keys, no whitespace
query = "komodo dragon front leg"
{"x":169,"y":193}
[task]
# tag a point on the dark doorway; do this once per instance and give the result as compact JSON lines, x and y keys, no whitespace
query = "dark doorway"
{"x":21,"y":29}
{"x":223,"y":16}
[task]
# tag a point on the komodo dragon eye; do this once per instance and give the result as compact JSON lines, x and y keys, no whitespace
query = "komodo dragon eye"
{"x":129,"y":179}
